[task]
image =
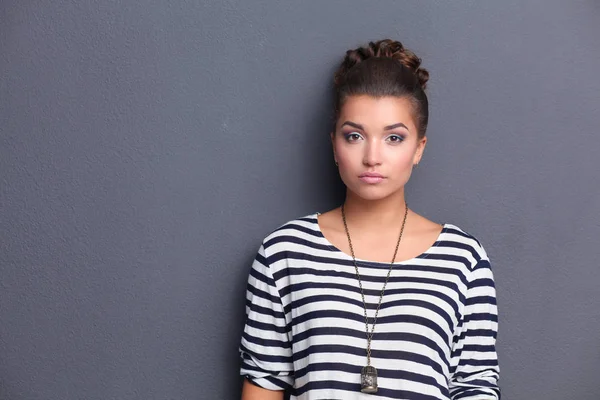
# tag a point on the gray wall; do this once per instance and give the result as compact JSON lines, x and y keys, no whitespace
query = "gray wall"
{"x":148,"y":147}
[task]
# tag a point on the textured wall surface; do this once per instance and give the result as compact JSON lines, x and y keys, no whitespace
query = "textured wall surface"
{"x":146,"y":149}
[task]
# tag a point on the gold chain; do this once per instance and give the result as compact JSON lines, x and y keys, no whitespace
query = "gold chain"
{"x":370,"y":335}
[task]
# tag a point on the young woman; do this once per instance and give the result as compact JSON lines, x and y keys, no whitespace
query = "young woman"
{"x":371,"y":300}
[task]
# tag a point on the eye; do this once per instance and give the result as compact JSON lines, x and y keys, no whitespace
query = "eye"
{"x":395,"y":138}
{"x":352,"y":136}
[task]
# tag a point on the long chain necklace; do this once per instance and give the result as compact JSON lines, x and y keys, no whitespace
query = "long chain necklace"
{"x":369,"y":373}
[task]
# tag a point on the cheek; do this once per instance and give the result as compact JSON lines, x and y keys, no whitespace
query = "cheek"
{"x":401,"y":159}
{"x":350,"y":157}
{"x":347,"y":154}
{"x":345,"y":157}
{"x":349,"y":164}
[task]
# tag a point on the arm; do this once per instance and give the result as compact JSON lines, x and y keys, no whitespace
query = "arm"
{"x":265,"y":347}
{"x":253,"y":392}
{"x":474,"y":365}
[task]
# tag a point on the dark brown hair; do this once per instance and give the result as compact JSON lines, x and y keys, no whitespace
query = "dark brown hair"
{"x":384,"y":68}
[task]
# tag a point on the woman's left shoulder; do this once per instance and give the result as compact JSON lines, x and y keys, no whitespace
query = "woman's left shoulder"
{"x":466,"y":239}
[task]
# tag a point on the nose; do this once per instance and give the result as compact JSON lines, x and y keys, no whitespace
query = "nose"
{"x":372,"y":155}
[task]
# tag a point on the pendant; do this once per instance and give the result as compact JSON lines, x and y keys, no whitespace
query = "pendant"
{"x":368,"y":379}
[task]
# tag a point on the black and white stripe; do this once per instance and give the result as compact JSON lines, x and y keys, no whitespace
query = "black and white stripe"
{"x":436,"y":331}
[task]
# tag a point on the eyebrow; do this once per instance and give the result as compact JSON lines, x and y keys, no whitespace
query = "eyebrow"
{"x":387,"y":128}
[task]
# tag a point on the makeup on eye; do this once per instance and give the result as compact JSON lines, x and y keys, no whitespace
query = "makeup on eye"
{"x":397,"y":138}
{"x":352,"y":136}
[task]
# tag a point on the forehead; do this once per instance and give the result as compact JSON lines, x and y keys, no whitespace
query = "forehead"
{"x":377,"y":111}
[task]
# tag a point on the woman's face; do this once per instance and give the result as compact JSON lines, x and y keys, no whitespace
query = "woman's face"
{"x":376,"y":144}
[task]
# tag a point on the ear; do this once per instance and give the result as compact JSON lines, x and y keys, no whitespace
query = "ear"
{"x":420,"y":149}
{"x":332,"y":137}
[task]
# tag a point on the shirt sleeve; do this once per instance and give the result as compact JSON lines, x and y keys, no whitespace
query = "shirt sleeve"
{"x":474,"y":365}
{"x":265,"y":347}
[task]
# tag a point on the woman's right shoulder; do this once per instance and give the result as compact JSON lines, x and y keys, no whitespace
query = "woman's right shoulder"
{"x":298,"y":229}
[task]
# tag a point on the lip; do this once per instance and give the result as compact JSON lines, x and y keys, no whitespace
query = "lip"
{"x":371,"y":177}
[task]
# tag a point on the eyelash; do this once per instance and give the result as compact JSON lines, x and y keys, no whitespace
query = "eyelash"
{"x":400,"y":138}
{"x":348,"y":136}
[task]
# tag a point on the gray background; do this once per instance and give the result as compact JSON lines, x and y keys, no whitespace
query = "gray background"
{"x":148,"y":147}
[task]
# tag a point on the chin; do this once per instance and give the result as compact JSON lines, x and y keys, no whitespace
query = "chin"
{"x":372,"y":193}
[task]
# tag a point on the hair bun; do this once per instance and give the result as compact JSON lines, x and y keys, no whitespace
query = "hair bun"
{"x":385,"y":48}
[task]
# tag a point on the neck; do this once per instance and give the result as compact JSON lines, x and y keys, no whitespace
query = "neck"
{"x":375,"y":215}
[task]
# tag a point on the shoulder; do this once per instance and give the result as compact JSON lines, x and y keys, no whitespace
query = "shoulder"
{"x":300,"y":228}
{"x":473,"y":249}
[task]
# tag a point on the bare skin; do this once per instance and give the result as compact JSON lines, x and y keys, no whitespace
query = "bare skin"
{"x":377,"y":242}
{"x":253,"y":392}
{"x":377,"y":136}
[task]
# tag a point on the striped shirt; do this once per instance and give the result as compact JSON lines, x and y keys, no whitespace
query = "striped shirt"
{"x":305,"y":330}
